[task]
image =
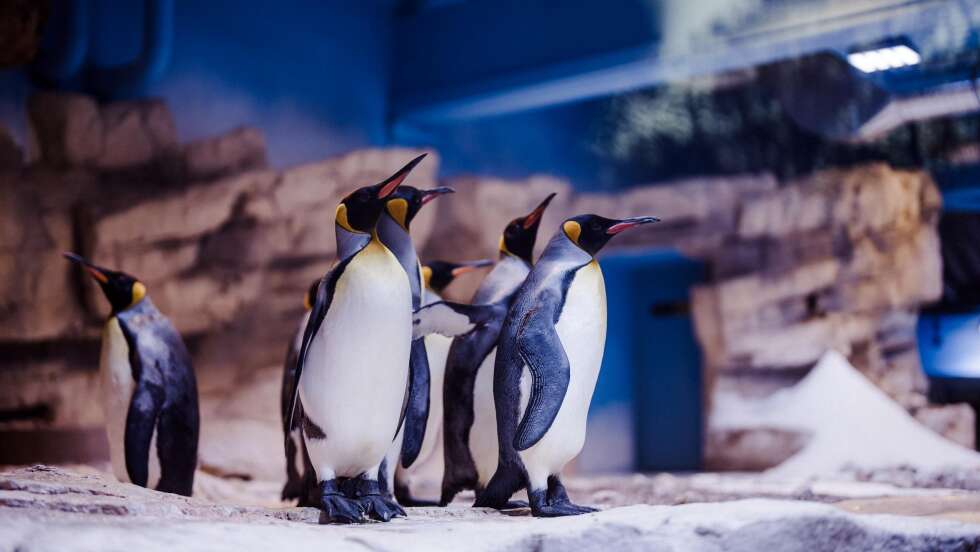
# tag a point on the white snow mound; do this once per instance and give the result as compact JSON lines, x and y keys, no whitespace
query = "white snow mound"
{"x":850,"y":422}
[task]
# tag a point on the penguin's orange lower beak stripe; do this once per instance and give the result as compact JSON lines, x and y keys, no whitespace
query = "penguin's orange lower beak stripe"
{"x":535,"y":215}
{"x":463,"y":270}
{"x":97,"y":274}
{"x":390,"y":186}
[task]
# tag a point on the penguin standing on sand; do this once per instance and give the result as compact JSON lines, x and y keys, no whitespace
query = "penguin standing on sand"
{"x":548,"y":358}
{"x":436,"y":275}
{"x":148,"y":388}
{"x":400,"y":209}
{"x":472,"y":357}
{"x":352,"y":370}
{"x":297,"y":462}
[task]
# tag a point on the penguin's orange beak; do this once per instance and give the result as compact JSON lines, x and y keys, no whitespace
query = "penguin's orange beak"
{"x":626,"y":224}
{"x":534,"y":216}
{"x":395,"y":180}
{"x":429,"y":195}
{"x":97,"y":273}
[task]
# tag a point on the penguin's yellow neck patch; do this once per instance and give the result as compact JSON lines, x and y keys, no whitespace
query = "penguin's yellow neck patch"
{"x":342,"y":218}
{"x":398,"y":209}
{"x":139,"y":292}
{"x":426,"y":276}
{"x":307,"y":301}
{"x":503,"y":246}
{"x":573,"y":230}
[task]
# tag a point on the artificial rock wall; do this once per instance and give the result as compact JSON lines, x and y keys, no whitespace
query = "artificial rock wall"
{"x":841,"y":259}
{"x":226,"y":247}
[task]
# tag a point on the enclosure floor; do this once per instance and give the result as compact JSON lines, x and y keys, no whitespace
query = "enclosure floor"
{"x":45,"y":508}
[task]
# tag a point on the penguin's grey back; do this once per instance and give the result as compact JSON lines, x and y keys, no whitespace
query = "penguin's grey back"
{"x":163,"y":369}
{"x":399,"y":242}
{"x":502,"y":281}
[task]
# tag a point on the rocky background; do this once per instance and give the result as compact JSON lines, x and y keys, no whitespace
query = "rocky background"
{"x":840,"y":259}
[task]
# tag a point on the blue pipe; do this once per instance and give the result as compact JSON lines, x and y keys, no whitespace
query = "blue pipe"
{"x":60,"y":63}
{"x":131,"y":78}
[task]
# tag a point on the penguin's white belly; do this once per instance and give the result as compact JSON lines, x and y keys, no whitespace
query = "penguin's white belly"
{"x":483,"y":434}
{"x":354,"y":379}
{"x":581,"y":328}
{"x":429,"y":464}
{"x":437,"y":351}
{"x":117,"y":391}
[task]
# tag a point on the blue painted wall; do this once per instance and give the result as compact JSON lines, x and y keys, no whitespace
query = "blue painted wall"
{"x":312,"y":74}
{"x":647,"y":410}
{"x":949,"y":344}
{"x":561,"y":141}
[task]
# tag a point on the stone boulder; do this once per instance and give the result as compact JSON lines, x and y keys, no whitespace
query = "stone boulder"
{"x":226,"y":247}
{"x":67,"y":127}
{"x":242,"y":149}
{"x":135,"y":133}
{"x":35,"y":282}
{"x":72,"y":130}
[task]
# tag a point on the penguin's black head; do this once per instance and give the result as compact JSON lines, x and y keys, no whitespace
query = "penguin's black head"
{"x":359,"y":211}
{"x":519,"y":235}
{"x":592,"y":232}
{"x":405,"y":202}
{"x":310,"y":296}
{"x":439,"y":274}
{"x":121,"y":289}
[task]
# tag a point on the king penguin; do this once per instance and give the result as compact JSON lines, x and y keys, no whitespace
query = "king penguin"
{"x":548,"y":359}
{"x":471,"y":358}
{"x":148,"y":388}
{"x":400,"y":210}
{"x":352,"y":369}
{"x":297,"y":461}
{"x":436,"y":276}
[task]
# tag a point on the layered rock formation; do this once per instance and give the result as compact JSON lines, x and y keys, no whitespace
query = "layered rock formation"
{"x":226,"y":247}
{"x":840,"y":259}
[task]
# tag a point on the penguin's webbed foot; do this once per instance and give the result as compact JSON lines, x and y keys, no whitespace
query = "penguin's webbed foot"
{"x":514,"y":505}
{"x":337,"y":508}
{"x":380,"y":507}
{"x":368,"y":494}
{"x":542,"y":507}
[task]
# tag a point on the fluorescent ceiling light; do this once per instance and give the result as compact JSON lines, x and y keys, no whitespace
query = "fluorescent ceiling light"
{"x":883,"y":59}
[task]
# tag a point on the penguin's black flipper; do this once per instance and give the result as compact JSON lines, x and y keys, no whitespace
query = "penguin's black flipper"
{"x":164,"y":400}
{"x":141,"y":419}
{"x":417,"y":409}
{"x":466,"y":355}
{"x":540,"y":347}
{"x":452,"y":319}
{"x":321,"y":304}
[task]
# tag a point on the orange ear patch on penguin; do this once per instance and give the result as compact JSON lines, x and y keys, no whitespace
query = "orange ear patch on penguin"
{"x":572,"y":229}
{"x":139,"y":292}
{"x":398,"y":209}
